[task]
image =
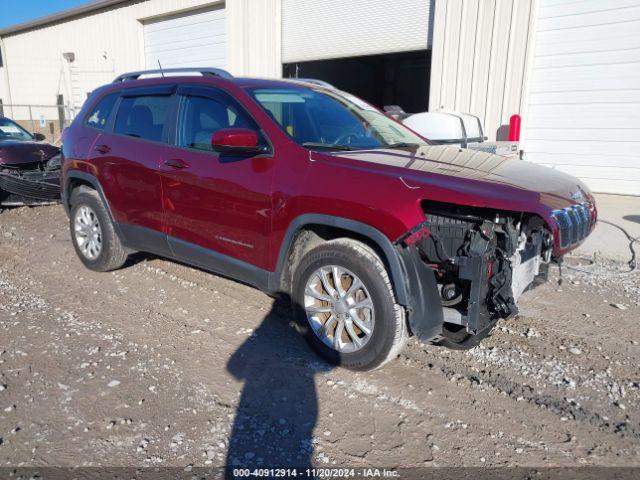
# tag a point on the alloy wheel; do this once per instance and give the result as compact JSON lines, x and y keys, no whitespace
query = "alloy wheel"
{"x":339,"y":308}
{"x":88,"y":233}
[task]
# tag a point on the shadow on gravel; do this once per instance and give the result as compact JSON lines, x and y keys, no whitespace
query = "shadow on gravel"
{"x":139,"y":257}
{"x":278,"y":407}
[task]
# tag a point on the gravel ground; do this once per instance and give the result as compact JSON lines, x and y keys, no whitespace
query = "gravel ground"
{"x":161,"y":364}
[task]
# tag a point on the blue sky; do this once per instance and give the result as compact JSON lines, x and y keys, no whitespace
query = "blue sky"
{"x":19,"y":11}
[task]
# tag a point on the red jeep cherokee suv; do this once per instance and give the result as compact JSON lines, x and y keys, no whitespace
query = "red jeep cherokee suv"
{"x":298,"y":188}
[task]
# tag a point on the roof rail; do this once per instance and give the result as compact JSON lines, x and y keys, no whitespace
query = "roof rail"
{"x":205,"y":72}
{"x":313,"y":81}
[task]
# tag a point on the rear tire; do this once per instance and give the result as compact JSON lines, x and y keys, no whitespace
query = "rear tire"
{"x":92,"y":232}
{"x":373,"y":335}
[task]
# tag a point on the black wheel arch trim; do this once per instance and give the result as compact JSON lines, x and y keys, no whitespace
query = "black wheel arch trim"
{"x":347,"y":224}
{"x":424,"y":306}
{"x":95,"y":183}
{"x":85,"y":177}
{"x":414,"y":284}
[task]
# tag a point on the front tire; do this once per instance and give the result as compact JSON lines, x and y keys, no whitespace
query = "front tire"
{"x":345,"y":305}
{"x":92,"y":232}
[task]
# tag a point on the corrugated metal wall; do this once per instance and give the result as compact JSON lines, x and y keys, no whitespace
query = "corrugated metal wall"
{"x":480,"y":59}
{"x":105,"y":43}
{"x":110,"y":41}
{"x":583,"y":114}
{"x":315,"y":30}
{"x":194,"y":39}
{"x":4,"y":83}
{"x":254,"y":37}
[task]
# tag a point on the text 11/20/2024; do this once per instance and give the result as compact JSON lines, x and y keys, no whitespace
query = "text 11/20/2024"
{"x":314,"y":473}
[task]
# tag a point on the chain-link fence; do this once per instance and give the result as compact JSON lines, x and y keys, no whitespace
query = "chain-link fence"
{"x":48,"y":120}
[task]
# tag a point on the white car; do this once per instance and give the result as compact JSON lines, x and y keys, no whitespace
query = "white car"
{"x":453,"y":128}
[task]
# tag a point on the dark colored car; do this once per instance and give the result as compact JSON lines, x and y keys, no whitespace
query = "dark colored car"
{"x":29,"y":168}
{"x":307,"y":191}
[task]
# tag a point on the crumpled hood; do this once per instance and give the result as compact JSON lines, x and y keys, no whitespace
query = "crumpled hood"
{"x":17,"y":152}
{"x":469,"y":171}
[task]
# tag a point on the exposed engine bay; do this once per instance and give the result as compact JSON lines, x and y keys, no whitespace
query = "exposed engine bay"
{"x":34,"y":183}
{"x":483,"y":261}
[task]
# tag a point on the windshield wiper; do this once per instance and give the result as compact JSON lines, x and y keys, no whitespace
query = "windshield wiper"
{"x":328,"y":146}
{"x":400,"y":145}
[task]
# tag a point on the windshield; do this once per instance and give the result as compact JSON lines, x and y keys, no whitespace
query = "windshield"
{"x":12,"y":131}
{"x":331,"y":119}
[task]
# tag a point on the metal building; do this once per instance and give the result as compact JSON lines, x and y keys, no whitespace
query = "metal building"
{"x":50,"y":65}
{"x":570,"y":68}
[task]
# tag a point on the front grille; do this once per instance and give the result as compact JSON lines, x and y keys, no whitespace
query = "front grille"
{"x":32,"y":184}
{"x":574,"y":223}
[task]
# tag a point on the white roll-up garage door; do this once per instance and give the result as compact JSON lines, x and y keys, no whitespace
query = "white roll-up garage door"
{"x":584,"y":97}
{"x":196,"y":39}
{"x":320,"y":29}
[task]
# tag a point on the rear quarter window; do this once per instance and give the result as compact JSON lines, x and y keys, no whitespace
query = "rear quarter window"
{"x":99,"y":115}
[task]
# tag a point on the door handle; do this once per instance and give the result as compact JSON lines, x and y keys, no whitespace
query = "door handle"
{"x":176,"y":163}
{"x":102,"y":149}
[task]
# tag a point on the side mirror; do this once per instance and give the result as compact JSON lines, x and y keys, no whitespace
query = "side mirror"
{"x":39,"y":137}
{"x":236,"y":140}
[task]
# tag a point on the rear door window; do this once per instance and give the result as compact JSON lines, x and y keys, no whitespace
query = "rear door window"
{"x":143,"y":117}
{"x":99,"y":116}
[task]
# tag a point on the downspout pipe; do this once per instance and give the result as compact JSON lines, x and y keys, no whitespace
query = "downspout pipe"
{"x":5,"y":74}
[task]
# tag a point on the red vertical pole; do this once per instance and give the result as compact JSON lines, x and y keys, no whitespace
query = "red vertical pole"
{"x":514,"y":128}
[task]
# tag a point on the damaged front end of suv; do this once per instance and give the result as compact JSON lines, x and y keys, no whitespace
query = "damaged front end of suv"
{"x":29,"y":173}
{"x":29,"y":185}
{"x":483,"y":260}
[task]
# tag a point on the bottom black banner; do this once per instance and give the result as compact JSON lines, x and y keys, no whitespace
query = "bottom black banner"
{"x":430,"y":473}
